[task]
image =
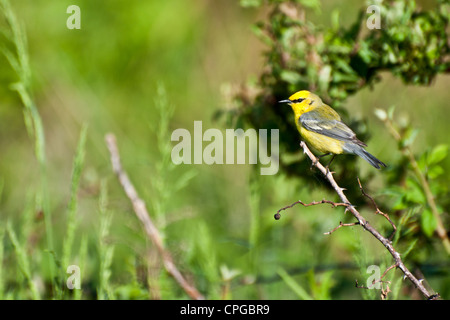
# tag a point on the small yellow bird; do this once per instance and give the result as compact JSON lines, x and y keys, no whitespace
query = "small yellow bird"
{"x":322,"y":128}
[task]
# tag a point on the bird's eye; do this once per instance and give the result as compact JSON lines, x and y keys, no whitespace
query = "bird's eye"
{"x":298,"y":100}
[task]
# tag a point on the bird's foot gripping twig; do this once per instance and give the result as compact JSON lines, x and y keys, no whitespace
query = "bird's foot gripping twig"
{"x":315,"y":161}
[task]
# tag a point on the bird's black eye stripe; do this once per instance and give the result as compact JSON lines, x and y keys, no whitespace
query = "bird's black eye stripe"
{"x":298,"y":100}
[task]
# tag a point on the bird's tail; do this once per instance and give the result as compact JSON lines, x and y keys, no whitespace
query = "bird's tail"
{"x":369,"y":158}
{"x":360,"y":151}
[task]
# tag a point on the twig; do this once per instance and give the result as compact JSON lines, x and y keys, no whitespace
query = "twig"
{"x":142,"y":214}
{"x":384,"y":292}
{"x":374,"y":282}
{"x":342,"y":225}
{"x":365,"y":224}
{"x":395,"y":265}
{"x":277,"y":215}
{"x":378,"y":211}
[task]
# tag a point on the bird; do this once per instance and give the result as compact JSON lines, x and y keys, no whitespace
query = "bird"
{"x":322,"y":128}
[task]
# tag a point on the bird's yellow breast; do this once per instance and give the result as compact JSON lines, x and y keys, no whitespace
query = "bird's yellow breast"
{"x":320,"y":142}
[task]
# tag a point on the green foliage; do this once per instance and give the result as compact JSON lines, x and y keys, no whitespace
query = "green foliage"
{"x":60,"y":202}
{"x":417,"y":182}
{"x":15,"y":49}
{"x":72,"y":222}
{"x":105,"y":249}
{"x":337,"y":62}
{"x":294,"y":286}
{"x":23,"y":261}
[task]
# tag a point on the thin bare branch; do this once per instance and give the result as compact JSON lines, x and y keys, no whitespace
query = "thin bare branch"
{"x":378,"y":211}
{"x":384,"y":292}
{"x":342,"y":225}
{"x":141,"y":212}
{"x":365,"y":224}
{"x":372,"y":285}
{"x":395,"y":265}
{"x":277,"y":215}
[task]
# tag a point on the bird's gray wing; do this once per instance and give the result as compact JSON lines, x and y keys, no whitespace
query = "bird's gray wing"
{"x":313,"y":121}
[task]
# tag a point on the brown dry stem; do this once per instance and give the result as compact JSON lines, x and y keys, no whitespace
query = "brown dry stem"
{"x":387,"y":243}
{"x":141,"y":212}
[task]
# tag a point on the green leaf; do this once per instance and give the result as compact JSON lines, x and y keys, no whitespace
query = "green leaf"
{"x":321,"y":284}
{"x":422,"y":161}
{"x":391,"y":112}
{"x":184,"y":180}
{"x":335,"y":14}
{"x":344,"y":77}
{"x":294,"y":285}
{"x":435,"y":171}
{"x":409,"y":137}
{"x":313,"y":4}
{"x":400,"y":203}
{"x":414,"y":192}
{"x":437,"y":154}
{"x":290,"y":76}
{"x":251,"y":3}
{"x":410,"y":248}
{"x":428,"y":222}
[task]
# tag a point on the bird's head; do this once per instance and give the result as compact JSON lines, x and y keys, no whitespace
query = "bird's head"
{"x":303,"y":101}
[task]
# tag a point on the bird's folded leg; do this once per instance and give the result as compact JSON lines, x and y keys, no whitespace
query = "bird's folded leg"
{"x":314,"y":163}
{"x":328,"y":165}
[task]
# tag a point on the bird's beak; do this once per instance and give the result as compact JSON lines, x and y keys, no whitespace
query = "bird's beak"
{"x":285,"y":101}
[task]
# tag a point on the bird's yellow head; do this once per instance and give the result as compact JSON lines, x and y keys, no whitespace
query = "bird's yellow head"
{"x":303,"y":101}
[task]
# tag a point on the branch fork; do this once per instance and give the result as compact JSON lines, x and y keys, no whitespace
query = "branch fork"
{"x":387,"y":242}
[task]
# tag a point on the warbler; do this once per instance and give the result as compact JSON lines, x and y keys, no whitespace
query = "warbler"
{"x":321,"y":127}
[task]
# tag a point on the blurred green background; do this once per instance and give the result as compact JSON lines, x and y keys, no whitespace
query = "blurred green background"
{"x":218,"y":223}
